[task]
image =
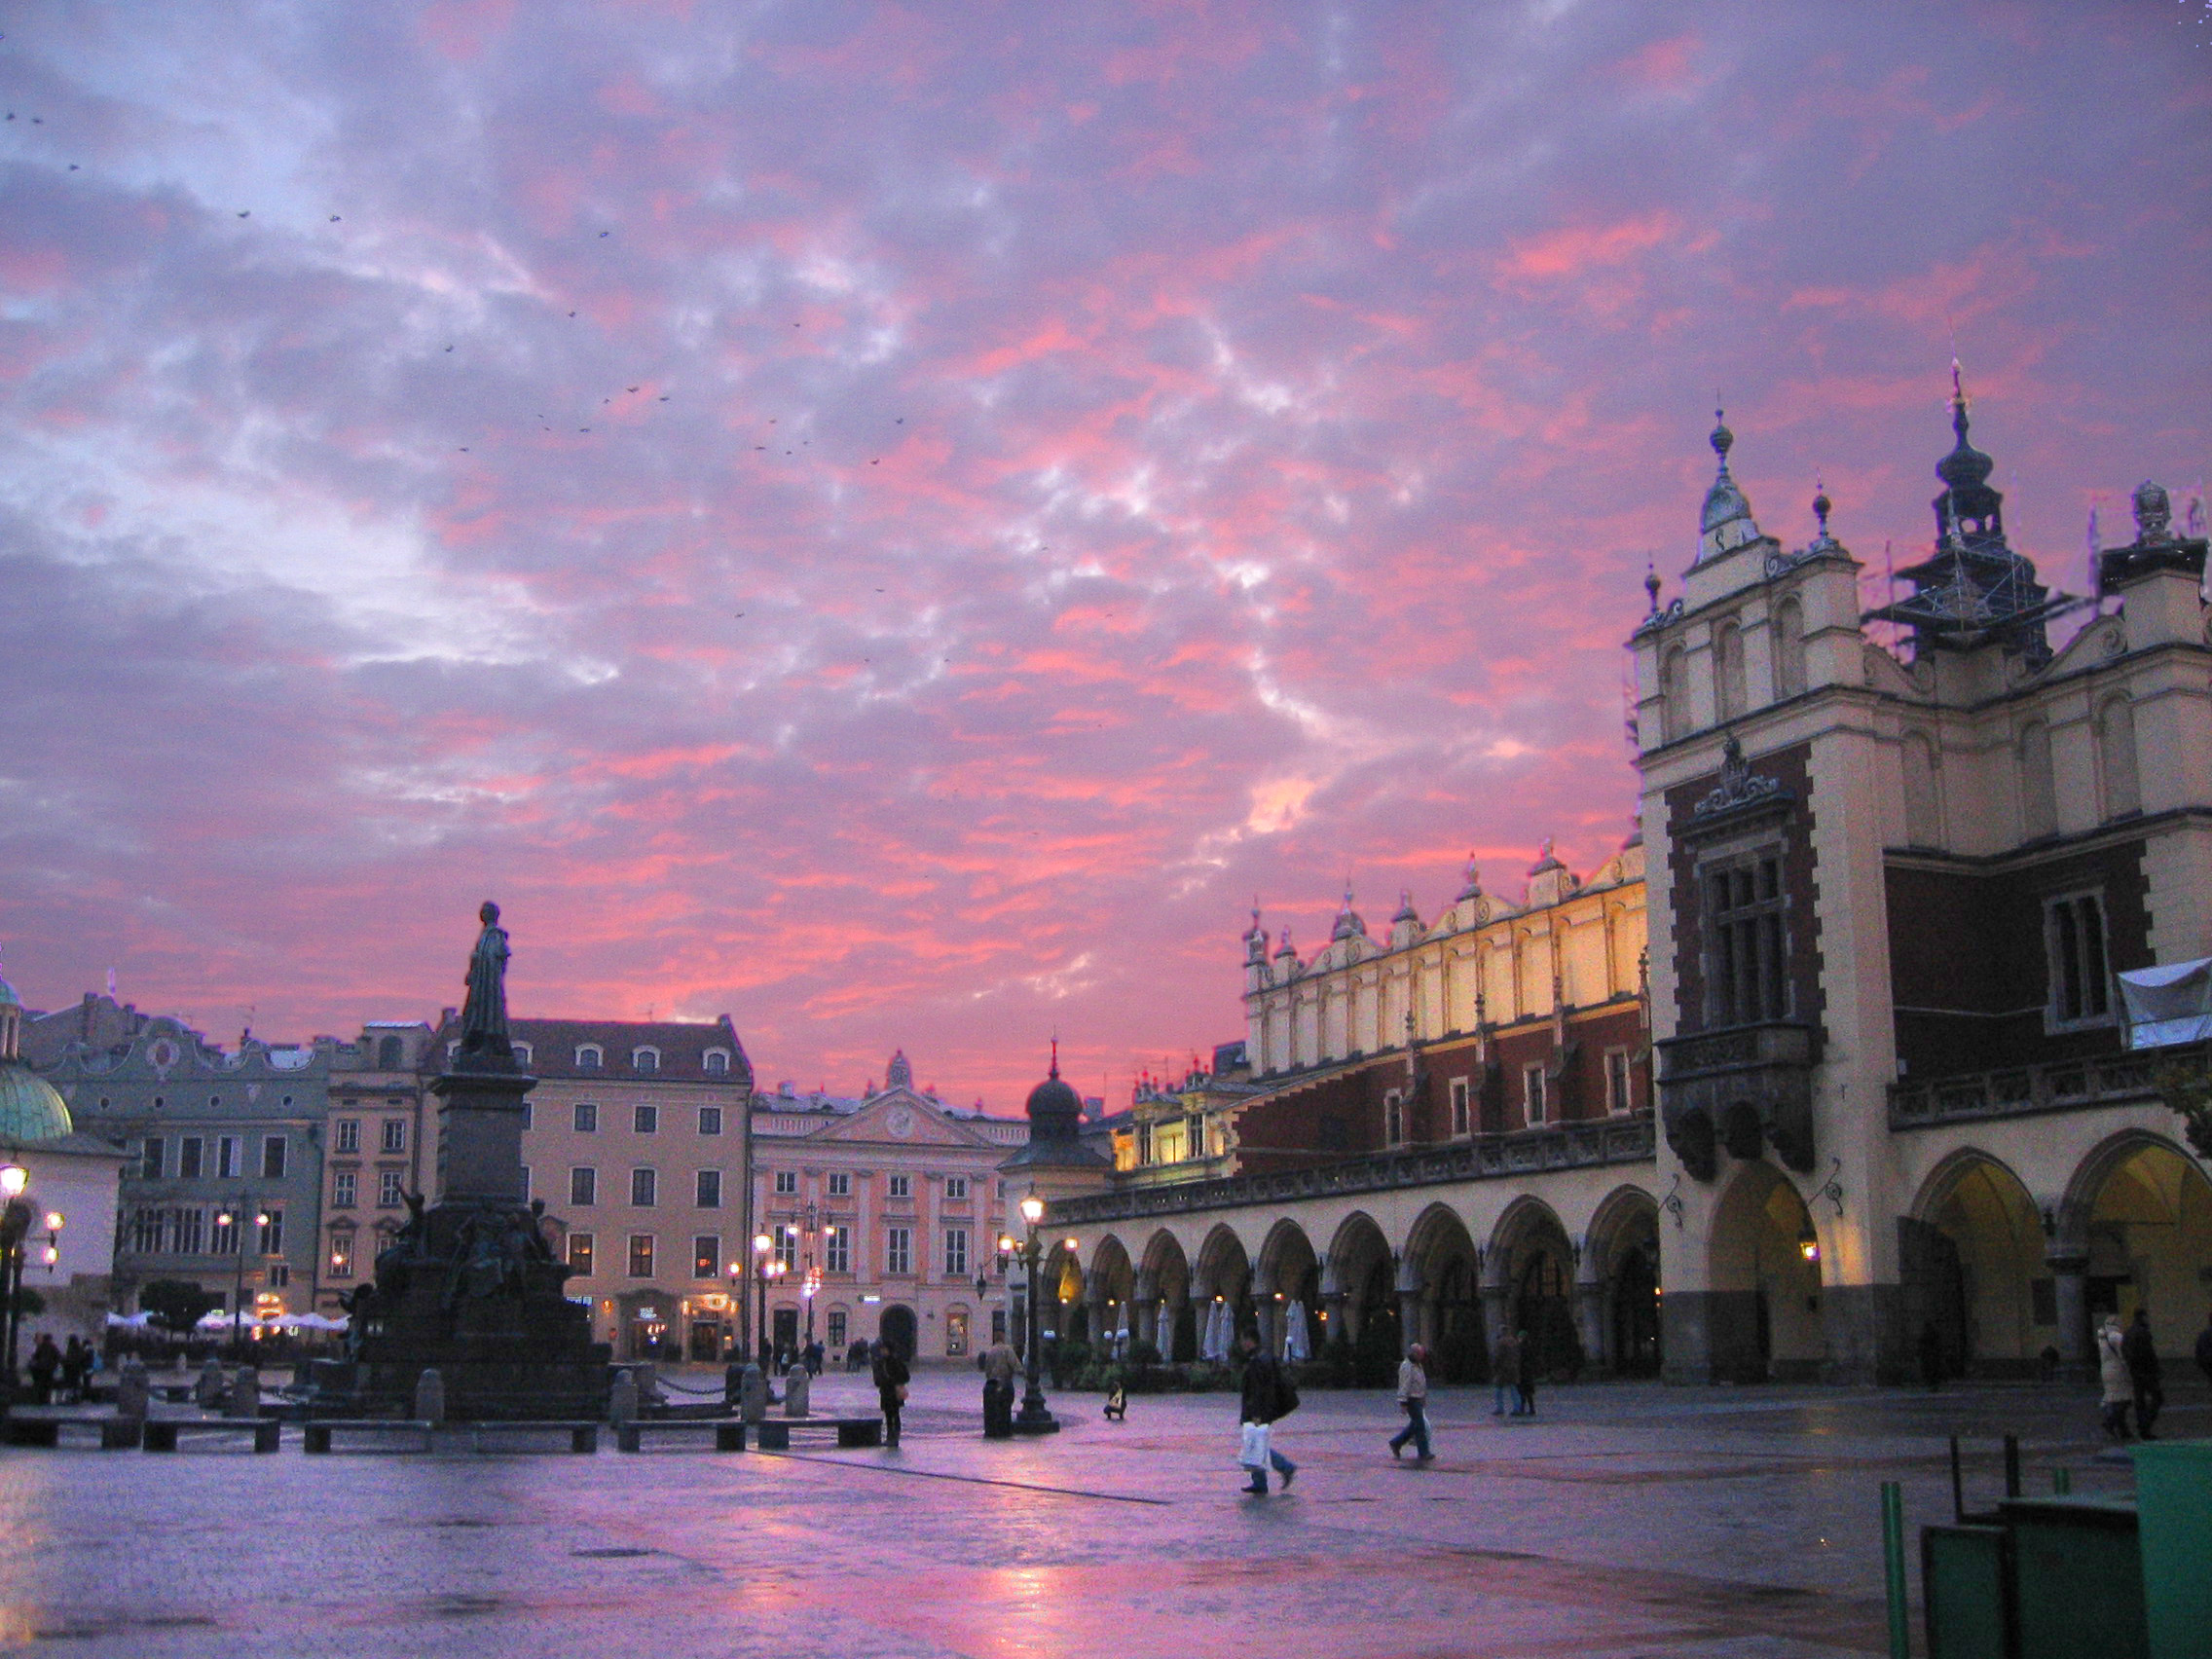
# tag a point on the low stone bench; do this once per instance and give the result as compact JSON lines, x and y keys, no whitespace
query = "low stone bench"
{"x":776,"y":1432}
{"x":728,"y":1432}
{"x":117,"y":1434}
{"x":163,"y":1433}
{"x":583,"y":1433}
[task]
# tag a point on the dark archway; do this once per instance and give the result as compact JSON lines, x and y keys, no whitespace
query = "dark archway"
{"x":896,"y":1329}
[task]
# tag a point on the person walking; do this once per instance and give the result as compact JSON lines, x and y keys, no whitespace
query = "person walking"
{"x":1505,"y":1374}
{"x":45,"y":1361}
{"x":1413,"y":1400}
{"x":1266,"y":1398}
{"x":2112,"y":1372}
{"x":2141,"y":1349}
{"x":891,"y":1379}
{"x":1526,"y":1376}
{"x":75,"y":1366}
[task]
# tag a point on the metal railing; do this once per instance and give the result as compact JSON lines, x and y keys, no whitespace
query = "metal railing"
{"x":2012,"y":1091}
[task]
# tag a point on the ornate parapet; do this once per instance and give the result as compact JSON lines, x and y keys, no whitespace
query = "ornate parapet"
{"x":2016,"y":1092}
{"x":1487,"y":1158}
{"x":1743,"y":1089}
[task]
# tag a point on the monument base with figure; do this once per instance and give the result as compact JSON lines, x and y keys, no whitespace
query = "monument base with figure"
{"x":469,"y":1287}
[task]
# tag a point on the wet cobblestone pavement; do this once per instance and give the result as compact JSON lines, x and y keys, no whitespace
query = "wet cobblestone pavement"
{"x":1627,"y":1520}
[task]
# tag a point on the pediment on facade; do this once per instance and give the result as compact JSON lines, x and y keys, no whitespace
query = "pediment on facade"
{"x":901,"y":1117}
{"x":1884,"y":673}
{"x":2100,"y":642}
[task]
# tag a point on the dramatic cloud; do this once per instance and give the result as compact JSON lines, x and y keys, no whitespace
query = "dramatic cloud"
{"x":897,"y":522}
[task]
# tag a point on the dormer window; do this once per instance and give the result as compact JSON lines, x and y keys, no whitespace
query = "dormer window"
{"x":590,"y":1056}
{"x":521,"y":1053}
{"x":644,"y":1059}
{"x":718,"y":1062}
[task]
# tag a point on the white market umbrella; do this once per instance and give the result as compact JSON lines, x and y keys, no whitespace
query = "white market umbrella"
{"x":1297,"y":1341}
{"x":1210,"y":1348}
{"x":130,"y":1321}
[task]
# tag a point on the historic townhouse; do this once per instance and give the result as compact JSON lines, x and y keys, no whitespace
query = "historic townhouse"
{"x":636,"y":1142}
{"x":383,"y":1122}
{"x":883,"y":1213}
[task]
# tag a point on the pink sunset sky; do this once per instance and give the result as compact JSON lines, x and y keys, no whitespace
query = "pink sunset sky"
{"x":897,"y":522}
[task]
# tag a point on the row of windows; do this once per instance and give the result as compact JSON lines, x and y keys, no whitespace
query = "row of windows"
{"x":645,"y":1188}
{"x":591,"y":1056}
{"x":644,"y":1120}
{"x":346,"y":1188}
{"x":195,"y":1230}
{"x":899,"y":1255}
{"x":1535,"y":1098}
{"x":840,"y":1183}
{"x":346,"y":1135}
{"x":220,"y":1158}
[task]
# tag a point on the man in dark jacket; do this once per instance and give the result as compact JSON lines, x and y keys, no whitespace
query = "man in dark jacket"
{"x":1261,"y":1403}
{"x":891,"y":1379}
{"x":2141,"y":1352}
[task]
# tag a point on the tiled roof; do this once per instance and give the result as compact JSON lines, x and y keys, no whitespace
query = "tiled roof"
{"x":682,"y":1046}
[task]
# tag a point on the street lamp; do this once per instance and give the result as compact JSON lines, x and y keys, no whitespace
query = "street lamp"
{"x":810,"y":1281}
{"x":737,"y":1303}
{"x":1034,"y":1417}
{"x":15,"y":1226}
{"x":234,"y":1219}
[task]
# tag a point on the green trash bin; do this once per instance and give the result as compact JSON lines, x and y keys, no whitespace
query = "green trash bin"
{"x":2173,"y":1496}
{"x":2078,"y":1578}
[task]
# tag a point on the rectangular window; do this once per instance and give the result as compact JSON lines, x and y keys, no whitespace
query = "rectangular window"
{"x":395,"y":1134}
{"x":837,"y":1249}
{"x":587,"y":1118}
{"x":1533,"y":1096}
{"x":842,"y":1185}
{"x":998,"y":1324}
{"x":956,"y":1332}
{"x":1193,"y":1136}
{"x":641,"y":1255}
{"x":956,"y":1188}
{"x":191,"y":1225}
{"x":1393,"y":1118}
{"x":345,"y":1190}
{"x":341,"y":1255}
{"x":271,"y":1222}
{"x":579,"y":1254}
{"x":280,"y":1273}
{"x":710,"y":1120}
{"x":898,"y":1250}
{"x":227,"y":1158}
{"x":529,"y":1118}
{"x":1620,"y":1097}
{"x":709,"y":1193}
{"x":706,"y":1256}
{"x":2074,"y":944}
{"x":391,"y":1188}
{"x":1746,"y":959}
{"x":644,"y":1188}
{"x":349,"y":1135}
{"x":150,"y":1157}
{"x":646,"y":1120}
{"x":584,"y":1187}
{"x":191,"y":1153}
{"x":837,"y":1329}
{"x":902,"y":1186}
{"x":223,"y":1237}
{"x":1462,"y":1121}
{"x":1144,"y":1143}
{"x":271,"y":1157}
{"x":956,"y":1252}
{"x":787,"y":1182}
{"x":786,"y":1245}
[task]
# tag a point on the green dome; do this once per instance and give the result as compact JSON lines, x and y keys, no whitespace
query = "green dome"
{"x":31,"y":1109}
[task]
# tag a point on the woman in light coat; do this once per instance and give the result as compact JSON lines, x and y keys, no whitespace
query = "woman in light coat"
{"x":2112,"y":1373}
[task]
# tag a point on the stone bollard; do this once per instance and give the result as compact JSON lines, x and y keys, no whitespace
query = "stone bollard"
{"x":622,"y":1400}
{"x":797,"y":1387}
{"x":753,"y":1395}
{"x":208,"y":1391}
{"x":245,"y":1393}
{"x":132,"y":1393}
{"x":431,"y":1397}
{"x":648,"y":1378}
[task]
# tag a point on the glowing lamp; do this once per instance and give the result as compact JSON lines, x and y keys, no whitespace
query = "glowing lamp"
{"x":1033,"y":1209}
{"x":1808,"y":1244}
{"x":14,"y":1178}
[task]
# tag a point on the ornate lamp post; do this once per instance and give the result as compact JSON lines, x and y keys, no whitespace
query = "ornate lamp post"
{"x":1033,"y":1418}
{"x":810,"y":1281}
{"x":234,"y":1218}
{"x":736,"y":1271}
{"x":761,"y":1245}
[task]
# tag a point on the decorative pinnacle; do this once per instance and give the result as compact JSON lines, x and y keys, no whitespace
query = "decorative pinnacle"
{"x":1056,"y":1071}
{"x":1651,"y":583}
{"x":1722,"y":439}
{"x":1821,"y":504}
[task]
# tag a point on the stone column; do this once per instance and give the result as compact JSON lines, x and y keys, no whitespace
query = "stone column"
{"x":1498,"y":1312}
{"x":1590,"y":1324}
{"x":2070,"y":1274}
{"x":1409,"y":1318}
{"x":1270,"y":1313}
{"x":1334,"y":1304}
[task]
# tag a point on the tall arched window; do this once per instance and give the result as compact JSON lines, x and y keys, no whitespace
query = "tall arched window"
{"x":2115,"y":758}
{"x":1728,"y":670}
{"x":2039,"y":803}
{"x":1789,"y":633}
{"x":1923,"y":806}
{"x":1674,"y":695}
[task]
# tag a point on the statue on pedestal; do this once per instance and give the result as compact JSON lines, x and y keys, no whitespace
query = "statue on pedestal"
{"x":484,"y":1014}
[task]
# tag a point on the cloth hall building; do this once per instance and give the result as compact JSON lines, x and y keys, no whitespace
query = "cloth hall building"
{"x":1833,"y":1051}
